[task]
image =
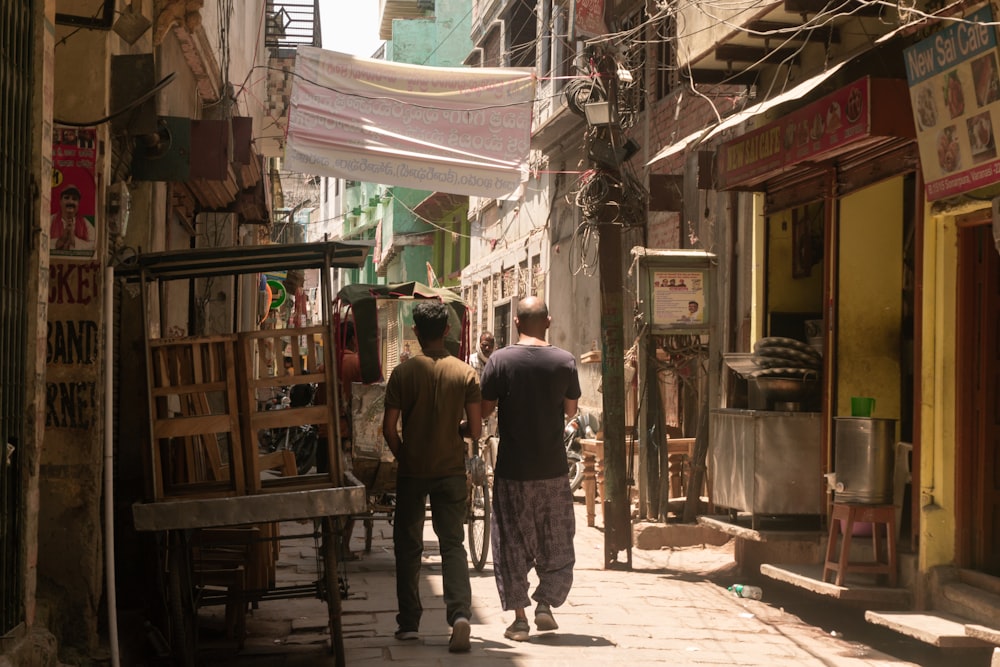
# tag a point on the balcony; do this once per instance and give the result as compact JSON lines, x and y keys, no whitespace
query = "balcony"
{"x":389,"y":10}
{"x":292,"y":23}
{"x":732,"y":44}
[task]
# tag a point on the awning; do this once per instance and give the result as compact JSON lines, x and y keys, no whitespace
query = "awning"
{"x":796,"y":92}
{"x":439,"y":204}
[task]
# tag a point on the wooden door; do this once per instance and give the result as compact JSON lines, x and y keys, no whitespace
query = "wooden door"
{"x":979,"y":396}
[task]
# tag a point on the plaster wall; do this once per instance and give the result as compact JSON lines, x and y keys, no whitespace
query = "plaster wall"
{"x":39,"y":644}
{"x":785,"y":293}
{"x":70,"y":560}
{"x":937,"y":409}
{"x":869,"y":301}
{"x":702,"y":25}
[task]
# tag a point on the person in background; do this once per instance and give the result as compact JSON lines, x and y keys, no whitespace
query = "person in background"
{"x":350,"y":372}
{"x":478,"y":359}
{"x":536,"y":387}
{"x":432,"y":391}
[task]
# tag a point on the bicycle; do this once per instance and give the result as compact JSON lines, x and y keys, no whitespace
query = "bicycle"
{"x":479,"y":475}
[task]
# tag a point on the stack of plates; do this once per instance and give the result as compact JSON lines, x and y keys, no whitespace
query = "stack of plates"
{"x":785,"y":357}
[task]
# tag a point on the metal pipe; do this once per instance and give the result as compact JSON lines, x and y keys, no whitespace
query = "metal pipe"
{"x":109,"y":505}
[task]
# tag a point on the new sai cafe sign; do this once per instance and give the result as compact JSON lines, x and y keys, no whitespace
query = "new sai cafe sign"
{"x":955,"y":95}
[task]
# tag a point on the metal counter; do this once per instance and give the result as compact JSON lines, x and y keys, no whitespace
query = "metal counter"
{"x":767,"y":462}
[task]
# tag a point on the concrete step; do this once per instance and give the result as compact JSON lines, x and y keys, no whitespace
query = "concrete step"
{"x":980,"y":580}
{"x":970,"y":602}
{"x":856,"y":588}
{"x":990,"y":635}
{"x":934,"y":628}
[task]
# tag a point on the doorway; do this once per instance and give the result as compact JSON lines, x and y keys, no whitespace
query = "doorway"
{"x":978,"y":419}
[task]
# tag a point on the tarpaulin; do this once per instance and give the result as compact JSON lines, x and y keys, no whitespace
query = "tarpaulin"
{"x":444,"y":129}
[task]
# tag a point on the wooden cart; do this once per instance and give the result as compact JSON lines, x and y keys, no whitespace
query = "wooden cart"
{"x":214,"y":497}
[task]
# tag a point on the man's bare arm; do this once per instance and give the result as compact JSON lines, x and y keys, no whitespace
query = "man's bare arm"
{"x":390,"y":422}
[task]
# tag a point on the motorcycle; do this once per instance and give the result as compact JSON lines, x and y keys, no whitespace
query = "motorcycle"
{"x":578,"y":426}
{"x":301,"y":440}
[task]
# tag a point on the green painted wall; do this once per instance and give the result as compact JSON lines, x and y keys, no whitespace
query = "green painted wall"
{"x":444,"y":41}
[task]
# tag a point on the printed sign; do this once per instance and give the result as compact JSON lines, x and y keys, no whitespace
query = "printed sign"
{"x":679,"y":298}
{"x":955,"y":94}
{"x":827,"y":126}
{"x":73,"y":226}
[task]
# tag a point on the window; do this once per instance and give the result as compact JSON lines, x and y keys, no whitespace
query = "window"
{"x":501,"y":324}
{"x":666,"y":63}
{"x":522,"y":34}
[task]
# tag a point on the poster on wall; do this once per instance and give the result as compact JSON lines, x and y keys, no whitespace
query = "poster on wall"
{"x":73,"y":229}
{"x":955,"y":94}
{"x":679,"y":298}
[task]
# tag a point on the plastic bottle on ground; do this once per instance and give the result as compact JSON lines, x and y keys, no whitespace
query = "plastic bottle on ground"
{"x":748,"y":592}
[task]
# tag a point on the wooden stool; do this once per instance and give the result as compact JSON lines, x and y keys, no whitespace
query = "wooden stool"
{"x":593,"y":475}
{"x":842,"y":520}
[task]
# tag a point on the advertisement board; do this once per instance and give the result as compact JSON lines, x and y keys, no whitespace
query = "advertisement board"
{"x":675,"y":288}
{"x":955,"y":95}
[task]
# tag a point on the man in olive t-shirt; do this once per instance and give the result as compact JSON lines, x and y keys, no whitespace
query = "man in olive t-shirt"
{"x":432,"y":391}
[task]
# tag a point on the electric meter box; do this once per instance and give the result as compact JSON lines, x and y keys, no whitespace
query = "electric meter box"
{"x":675,"y":289}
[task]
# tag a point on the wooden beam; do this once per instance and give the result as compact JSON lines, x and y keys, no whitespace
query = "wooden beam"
{"x":855,"y":8}
{"x":735,"y":53}
{"x":720,"y":77}
{"x":792,"y":32}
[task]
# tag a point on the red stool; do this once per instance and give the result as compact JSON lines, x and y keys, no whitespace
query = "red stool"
{"x":842,"y":520}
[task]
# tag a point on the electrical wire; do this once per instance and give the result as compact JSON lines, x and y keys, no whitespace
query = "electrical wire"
{"x":163,"y":83}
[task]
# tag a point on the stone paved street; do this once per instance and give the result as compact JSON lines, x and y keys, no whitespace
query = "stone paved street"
{"x":673,"y":608}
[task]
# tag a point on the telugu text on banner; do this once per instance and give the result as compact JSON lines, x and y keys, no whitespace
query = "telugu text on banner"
{"x":463,"y":131}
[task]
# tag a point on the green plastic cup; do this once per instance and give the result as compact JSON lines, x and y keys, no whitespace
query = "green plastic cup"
{"x":862,"y":406}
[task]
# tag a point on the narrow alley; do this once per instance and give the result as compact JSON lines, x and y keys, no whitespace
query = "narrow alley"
{"x":672,"y":608}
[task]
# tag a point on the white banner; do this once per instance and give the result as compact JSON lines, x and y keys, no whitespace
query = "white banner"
{"x":458,"y":130}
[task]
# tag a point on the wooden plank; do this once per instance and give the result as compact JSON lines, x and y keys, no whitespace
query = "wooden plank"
{"x":180,"y":427}
{"x":186,"y":340}
{"x":172,"y":390}
{"x":290,"y":417}
{"x":234,"y":411}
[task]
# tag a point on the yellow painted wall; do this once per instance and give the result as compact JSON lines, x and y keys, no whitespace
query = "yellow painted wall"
{"x":869,"y":298}
{"x":785,"y":293}
{"x":937,"y":387}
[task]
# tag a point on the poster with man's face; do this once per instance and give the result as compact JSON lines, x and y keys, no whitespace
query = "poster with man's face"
{"x":679,"y":298}
{"x":73,"y":230}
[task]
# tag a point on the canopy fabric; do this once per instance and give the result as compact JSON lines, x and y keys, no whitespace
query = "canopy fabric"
{"x":362,"y":302}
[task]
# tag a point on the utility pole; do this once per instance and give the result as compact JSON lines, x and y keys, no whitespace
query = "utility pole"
{"x":617,"y":524}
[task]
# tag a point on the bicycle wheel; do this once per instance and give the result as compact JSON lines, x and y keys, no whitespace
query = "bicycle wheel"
{"x":303,"y":443}
{"x":479,"y":524}
{"x":575,"y":463}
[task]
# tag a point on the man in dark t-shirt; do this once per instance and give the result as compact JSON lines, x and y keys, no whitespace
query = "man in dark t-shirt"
{"x":535,"y":386}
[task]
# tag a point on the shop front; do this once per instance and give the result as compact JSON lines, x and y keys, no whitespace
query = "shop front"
{"x":836,"y":246}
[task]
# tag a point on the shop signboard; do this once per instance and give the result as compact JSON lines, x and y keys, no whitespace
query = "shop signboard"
{"x":844,"y":120}
{"x":955,"y":95}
